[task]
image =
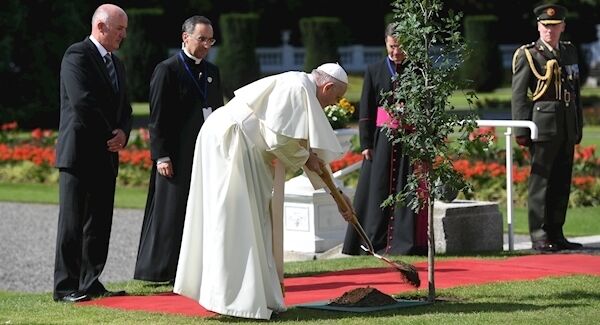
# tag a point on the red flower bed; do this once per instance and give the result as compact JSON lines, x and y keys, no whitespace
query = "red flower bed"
{"x":347,"y":159}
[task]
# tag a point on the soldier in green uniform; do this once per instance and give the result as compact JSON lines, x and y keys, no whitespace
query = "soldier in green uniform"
{"x":545,"y":90}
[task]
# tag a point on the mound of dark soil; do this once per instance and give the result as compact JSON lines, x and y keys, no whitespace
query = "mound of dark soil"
{"x":363,"y":297}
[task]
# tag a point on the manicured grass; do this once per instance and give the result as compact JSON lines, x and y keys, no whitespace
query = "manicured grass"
{"x":352,"y":94}
{"x":459,"y":100}
{"x":354,"y":88}
{"x":582,"y":221}
{"x":134,"y":198}
{"x":591,"y":136}
{"x":556,"y":300}
{"x":140,"y":109}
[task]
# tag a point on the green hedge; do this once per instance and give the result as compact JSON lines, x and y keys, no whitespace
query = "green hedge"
{"x":142,"y":50}
{"x":237,"y":59}
{"x":483,"y":67}
{"x":321,"y":37}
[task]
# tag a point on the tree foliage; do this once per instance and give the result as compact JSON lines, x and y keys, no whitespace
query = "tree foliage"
{"x":34,"y":58}
{"x":420,"y":103}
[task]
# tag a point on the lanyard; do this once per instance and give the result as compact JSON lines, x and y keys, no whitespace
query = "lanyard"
{"x":393,"y":72}
{"x":189,"y":71}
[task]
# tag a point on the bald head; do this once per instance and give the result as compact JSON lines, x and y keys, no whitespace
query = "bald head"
{"x":109,"y":26}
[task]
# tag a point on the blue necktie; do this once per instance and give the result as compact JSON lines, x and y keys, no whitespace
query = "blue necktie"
{"x":112,"y":73}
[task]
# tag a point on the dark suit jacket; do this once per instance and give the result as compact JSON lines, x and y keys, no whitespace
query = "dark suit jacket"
{"x":90,"y":109}
{"x":377,"y":78}
{"x":552,"y":112}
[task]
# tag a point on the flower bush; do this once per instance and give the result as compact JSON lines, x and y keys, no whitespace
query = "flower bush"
{"x":486,"y":171}
{"x":29,"y":157}
{"x":346,"y":160}
{"x":339,"y":115}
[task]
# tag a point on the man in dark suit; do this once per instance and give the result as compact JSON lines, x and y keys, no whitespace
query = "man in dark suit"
{"x":95,"y":121}
{"x":548,"y":68}
{"x":392,"y":230}
{"x":184,"y":90}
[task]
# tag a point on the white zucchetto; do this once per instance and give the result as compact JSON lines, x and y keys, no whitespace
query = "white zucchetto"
{"x":335,"y":70}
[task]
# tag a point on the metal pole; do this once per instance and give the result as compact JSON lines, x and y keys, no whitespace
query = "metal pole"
{"x":509,"y":124}
{"x":509,"y":191}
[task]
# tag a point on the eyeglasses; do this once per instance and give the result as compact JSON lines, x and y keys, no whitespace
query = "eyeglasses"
{"x":205,"y":40}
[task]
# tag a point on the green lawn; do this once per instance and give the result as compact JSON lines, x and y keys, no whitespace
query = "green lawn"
{"x":459,"y":101}
{"x":134,"y":198}
{"x":140,"y":109}
{"x":352,"y":94}
{"x":591,"y":137}
{"x":580,"y":221}
{"x":555,"y":300}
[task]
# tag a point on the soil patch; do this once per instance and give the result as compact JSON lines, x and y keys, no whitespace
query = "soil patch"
{"x":363,"y":297}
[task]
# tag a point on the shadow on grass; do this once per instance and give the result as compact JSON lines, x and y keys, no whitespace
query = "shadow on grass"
{"x":439,"y":308}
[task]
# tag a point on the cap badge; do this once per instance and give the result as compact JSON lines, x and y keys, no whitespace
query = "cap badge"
{"x":550,"y":12}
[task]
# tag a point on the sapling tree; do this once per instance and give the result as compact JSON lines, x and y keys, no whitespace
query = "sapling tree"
{"x":429,"y":131}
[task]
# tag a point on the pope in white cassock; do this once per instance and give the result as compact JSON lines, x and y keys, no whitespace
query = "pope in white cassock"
{"x":231,"y":258}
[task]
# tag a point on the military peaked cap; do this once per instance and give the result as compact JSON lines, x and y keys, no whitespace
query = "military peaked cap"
{"x":550,"y":14}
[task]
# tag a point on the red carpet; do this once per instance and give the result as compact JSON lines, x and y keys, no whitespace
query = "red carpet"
{"x":327,"y":286}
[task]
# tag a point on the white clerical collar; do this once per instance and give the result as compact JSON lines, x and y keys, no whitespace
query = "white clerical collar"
{"x":99,"y":46}
{"x":189,"y":55}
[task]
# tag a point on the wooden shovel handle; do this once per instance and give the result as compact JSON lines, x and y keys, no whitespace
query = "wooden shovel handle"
{"x":341,"y":202}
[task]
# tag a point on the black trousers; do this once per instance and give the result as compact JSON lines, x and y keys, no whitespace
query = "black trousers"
{"x":86,"y":200}
{"x":549,"y":188}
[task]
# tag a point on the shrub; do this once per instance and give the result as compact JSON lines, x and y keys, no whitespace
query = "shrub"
{"x":321,"y":37}
{"x":143,"y":49}
{"x":237,"y":59}
{"x":483,"y":66}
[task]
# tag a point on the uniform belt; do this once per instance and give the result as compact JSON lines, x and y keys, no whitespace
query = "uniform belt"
{"x":566,"y":97}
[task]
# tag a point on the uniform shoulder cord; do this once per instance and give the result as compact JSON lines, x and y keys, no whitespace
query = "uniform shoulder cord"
{"x":552,"y":73}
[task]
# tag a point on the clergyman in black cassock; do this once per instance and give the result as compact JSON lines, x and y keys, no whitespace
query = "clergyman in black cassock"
{"x":385,"y":168}
{"x":184,"y":89}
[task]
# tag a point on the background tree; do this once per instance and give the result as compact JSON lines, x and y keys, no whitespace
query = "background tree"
{"x":143,"y":49}
{"x":321,"y":37}
{"x":35,"y":63}
{"x":236,"y":59}
{"x":11,"y":19}
{"x":435,"y":51}
{"x":483,"y":66}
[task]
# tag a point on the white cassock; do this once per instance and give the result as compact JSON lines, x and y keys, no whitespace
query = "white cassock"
{"x":226,"y":261}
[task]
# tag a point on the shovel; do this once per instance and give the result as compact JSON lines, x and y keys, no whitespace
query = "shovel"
{"x":409,"y":272}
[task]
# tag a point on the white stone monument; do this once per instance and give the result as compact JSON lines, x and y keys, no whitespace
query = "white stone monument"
{"x":311,"y":221}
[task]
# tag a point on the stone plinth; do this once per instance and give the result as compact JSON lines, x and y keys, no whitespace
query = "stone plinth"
{"x":467,"y":226}
{"x":311,"y":221}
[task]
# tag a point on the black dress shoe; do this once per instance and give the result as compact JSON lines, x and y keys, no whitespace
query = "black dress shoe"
{"x":106,"y":293}
{"x":74,"y":297}
{"x":544,"y":246}
{"x":565,"y":244}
